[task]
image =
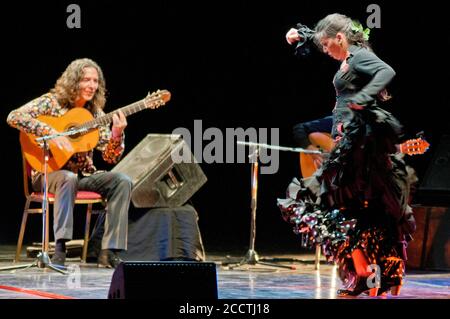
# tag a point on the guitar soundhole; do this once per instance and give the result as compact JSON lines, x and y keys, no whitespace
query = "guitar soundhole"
{"x":73,"y":137}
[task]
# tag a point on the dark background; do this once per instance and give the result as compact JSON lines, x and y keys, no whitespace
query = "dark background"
{"x":227,"y":64}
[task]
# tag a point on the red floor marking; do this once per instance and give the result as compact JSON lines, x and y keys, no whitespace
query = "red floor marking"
{"x":36,"y":292}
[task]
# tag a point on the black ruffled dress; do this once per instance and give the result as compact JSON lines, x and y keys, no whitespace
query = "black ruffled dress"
{"x":359,"y":197}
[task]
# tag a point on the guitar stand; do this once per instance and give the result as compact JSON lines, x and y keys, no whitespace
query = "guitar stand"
{"x":42,"y":259}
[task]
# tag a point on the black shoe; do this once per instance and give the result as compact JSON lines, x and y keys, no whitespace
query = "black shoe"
{"x":59,"y":258}
{"x":387,"y":285}
{"x":359,"y":288}
{"x":108,"y":259}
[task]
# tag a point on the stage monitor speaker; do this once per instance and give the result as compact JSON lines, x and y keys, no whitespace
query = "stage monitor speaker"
{"x":159,"y":181}
{"x":171,"y":280}
{"x":435,"y":187}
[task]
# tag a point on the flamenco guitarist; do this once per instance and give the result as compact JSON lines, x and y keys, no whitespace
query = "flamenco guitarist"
{"x":81,"y":86}
{"x":315,"y":135}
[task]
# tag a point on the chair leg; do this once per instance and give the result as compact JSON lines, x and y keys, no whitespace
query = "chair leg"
{"x":86,"y":233}
{"x":22,"y":231}
{"x":317,"y":258}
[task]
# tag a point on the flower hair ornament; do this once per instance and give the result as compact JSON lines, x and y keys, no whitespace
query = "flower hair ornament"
{"x":357,"y":27}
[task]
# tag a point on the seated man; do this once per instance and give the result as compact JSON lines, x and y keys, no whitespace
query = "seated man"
{"x":313,"y":135}
{"x":81,"y":85}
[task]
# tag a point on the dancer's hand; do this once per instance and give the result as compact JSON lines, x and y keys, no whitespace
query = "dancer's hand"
{"x":355,"y":106}
{"x":292,"y":36}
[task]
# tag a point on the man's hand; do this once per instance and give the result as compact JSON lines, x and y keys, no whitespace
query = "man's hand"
{"x":63,"y":143}
{"x":317,"y":158}
{"x":119,"y":124}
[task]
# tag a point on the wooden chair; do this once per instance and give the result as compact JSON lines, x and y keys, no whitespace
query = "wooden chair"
{"x":83,"y":197}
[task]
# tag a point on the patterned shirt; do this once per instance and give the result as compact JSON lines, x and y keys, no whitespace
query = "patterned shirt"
{"x":25,"y":119}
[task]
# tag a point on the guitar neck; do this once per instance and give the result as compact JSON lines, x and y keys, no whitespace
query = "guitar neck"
{"x":107,"y":118}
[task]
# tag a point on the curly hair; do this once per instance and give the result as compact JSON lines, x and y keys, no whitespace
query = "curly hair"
{"x":334,"y":23}
{"x":67,"y":86}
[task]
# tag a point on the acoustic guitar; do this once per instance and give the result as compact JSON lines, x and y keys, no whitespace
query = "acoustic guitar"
{"x":79,"y":119}
{"x":324,"y":142}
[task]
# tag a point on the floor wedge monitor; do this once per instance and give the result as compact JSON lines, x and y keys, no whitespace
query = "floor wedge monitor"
{"x":163,"y":170}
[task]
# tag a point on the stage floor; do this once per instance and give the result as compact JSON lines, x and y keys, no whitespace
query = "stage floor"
{"x":245,"y":282}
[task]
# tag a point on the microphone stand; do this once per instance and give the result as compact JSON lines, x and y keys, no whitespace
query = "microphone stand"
{"x":252,"y":258}
{"x":42,"y":259}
